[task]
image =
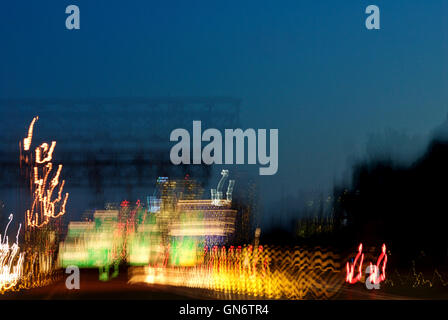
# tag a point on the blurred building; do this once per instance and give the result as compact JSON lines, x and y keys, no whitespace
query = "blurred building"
{"x":110,"y":148}
{"x":174,"y":228}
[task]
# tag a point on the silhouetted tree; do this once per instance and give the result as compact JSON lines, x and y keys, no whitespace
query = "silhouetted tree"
{"x":405,"y":207}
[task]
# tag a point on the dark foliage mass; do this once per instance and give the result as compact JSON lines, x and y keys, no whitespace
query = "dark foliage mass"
{"x":405,"y":207}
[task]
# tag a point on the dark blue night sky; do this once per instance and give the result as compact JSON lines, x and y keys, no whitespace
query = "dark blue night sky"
{"x":309,"y":68}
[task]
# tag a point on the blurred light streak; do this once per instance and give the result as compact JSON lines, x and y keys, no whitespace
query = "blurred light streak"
{"x":27,"y":141}
{"x":46,"y":189}
{"x":267,"y":272}
{"x":11,"y":261}
{"x":351,"y":267}
{"x":375,"y":277}
{"x":47,"y":203}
